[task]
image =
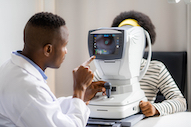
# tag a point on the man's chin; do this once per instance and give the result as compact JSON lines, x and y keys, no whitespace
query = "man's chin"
{"x":55,"y":67}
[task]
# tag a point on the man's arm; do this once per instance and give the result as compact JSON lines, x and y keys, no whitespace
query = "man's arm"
{"x":42,"y":111}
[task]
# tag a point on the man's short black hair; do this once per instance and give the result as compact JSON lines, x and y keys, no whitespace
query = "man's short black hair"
{"x":46,"y":20}
{"x":143,"y":20}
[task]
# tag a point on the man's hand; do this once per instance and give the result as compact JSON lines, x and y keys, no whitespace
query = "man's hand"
{"x":93,"y":89}
{"x":82,"y":77}
{"x":148,"y":109}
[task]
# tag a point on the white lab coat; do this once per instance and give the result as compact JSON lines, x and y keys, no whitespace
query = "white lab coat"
{"x":26,"y":100}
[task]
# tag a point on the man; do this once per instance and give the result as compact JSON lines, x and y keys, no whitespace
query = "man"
{"x":25,"y":98}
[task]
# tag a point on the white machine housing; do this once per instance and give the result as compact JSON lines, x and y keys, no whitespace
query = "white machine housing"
{"x":119,"y":52}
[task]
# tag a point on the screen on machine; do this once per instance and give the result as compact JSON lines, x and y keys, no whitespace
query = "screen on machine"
{"x":105,"y":44}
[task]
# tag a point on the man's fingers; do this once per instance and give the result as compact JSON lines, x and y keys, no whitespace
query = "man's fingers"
{"x":98,"y":84}
{"x":89,"y":61}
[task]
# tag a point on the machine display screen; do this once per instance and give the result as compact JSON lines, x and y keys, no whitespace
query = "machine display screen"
{"x":104,"y":44}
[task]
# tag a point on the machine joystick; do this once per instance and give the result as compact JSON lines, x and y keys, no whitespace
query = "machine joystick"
{"x":107,"y":86}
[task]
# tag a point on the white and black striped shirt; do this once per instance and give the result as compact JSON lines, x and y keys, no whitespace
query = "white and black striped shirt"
{"x":157,"y":78}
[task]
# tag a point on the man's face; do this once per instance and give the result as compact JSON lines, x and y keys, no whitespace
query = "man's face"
{"x":59,"y":47}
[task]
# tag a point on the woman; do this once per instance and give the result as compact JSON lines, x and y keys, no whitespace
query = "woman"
{"x":157,"y":77}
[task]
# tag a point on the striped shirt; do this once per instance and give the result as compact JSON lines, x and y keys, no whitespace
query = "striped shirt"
{"x":157,"y":78}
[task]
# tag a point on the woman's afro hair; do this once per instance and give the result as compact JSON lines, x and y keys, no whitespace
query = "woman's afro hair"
{"x":142,"y":19}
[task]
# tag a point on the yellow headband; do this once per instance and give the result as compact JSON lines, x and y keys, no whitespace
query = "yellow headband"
{"x":131,"y":22}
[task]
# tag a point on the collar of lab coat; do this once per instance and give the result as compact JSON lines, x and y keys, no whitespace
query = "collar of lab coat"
{"x":21,"y":62}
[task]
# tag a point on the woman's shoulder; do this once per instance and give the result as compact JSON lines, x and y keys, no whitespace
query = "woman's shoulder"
{"x":153,"y":64}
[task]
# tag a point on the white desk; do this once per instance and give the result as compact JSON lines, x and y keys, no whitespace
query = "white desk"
{"x":182,"y":119}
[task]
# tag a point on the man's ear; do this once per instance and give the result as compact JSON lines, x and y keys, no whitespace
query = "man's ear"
{"x":47,"y":50}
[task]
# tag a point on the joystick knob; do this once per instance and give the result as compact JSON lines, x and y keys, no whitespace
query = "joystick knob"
{"x":107,"y":86}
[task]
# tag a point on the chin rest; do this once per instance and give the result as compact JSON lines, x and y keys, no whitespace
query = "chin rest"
{"x":176,"y":63}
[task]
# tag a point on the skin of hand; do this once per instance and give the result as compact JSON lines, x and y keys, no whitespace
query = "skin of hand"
{"x":82,"y":78}
{"x":93,"y":89}
{"x":148,"y":109}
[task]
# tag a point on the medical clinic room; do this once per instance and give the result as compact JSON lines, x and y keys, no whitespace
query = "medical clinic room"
{"x":95,"y":63}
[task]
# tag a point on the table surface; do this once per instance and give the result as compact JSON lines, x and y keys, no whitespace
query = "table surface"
{"x":181,"y":119}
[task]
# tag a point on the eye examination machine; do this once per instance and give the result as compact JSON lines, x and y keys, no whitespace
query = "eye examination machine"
{"x":119,"y":52}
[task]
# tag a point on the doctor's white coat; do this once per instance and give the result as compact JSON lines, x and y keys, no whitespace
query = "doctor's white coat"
{"x":26,"y":100}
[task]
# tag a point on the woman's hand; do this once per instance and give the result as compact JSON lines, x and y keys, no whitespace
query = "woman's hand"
{"x":148,"y":109}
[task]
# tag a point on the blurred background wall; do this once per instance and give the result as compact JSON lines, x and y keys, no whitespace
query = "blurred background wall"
{"x":14,"y":16}
{"x":170,"y":20}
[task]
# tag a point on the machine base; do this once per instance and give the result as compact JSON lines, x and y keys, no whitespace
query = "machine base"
{"x":117,"y":106}
{"x":114,"y":112}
